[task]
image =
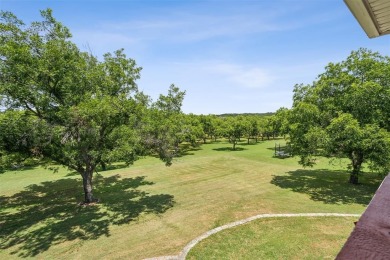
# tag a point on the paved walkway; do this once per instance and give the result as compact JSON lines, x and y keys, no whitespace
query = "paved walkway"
{"x":190,"y":245}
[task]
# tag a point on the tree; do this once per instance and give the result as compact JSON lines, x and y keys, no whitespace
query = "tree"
{"x":172,"y":102}
{"x":162,"y":130}
{"x":220,"y":127}
{"x":251,"y":128}
{"x":345,"y":113}
{"x":271,"y":127}
{"x":262,"y":124}
{"x":234,"y":129}
{"x":18,"y":134}
{"x":208,"y":123}
{"x":193,"y":130}
{"x":85,"y":111}
{"x":358,"y":143}
{"x":281,"y":121}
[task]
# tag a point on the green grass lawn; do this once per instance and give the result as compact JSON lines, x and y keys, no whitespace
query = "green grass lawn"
{"x":150,"y":210}
{"x":279,"y":238}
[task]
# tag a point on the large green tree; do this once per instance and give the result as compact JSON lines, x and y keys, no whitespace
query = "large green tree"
{"x":80,"y":111}
{"x":345,"y":114}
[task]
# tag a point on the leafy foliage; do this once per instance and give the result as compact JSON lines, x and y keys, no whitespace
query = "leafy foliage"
{"x":345,"y":113}
{"x":77,"y":110}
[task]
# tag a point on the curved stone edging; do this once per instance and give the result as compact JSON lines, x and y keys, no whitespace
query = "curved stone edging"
{"x":195,"y":241}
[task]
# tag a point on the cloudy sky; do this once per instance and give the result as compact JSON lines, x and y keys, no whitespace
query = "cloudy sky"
{"x":242,"y":56}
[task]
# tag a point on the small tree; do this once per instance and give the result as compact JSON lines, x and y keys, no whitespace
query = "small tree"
{"x":193,"y":129}
{"x":251,"y":128}
{"x":281,"y":119}
{"x":208,"y":123}
{"x":162,"y":131}
{"x":234,"y":129}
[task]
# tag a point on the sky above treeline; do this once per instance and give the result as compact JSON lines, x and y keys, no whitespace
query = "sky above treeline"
{"x":242,"y":56}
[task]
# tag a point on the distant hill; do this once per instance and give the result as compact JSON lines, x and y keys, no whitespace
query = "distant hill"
{"x":247,"y":114}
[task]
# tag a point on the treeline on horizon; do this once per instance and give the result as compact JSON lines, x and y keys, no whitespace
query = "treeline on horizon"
{"x":246,"y":114}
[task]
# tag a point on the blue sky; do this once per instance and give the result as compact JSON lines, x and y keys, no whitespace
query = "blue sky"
{"x":230,"y":56}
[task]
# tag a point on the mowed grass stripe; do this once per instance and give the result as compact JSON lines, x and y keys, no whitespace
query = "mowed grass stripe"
{"x":210,"y":188}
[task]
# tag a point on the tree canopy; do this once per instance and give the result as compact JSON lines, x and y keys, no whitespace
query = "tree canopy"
{"x":345,"y":113}
{"x":65,"y":104}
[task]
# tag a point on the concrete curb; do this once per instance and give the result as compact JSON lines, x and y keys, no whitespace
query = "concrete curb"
{"x":195,"y":241}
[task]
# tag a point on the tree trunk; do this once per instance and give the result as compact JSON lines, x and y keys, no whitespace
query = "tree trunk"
{"x":248,"y":140}
{"x":87,"y":185}
{"x":234,"y":145}
{"x":176,"y":147}
{"x":357,"y":160}
{"x":103,"y":165}
{"x":354,"y":178}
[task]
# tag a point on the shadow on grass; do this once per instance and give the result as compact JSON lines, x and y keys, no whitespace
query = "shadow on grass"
{"x":187,"y":150}
{"x":251,"y":143}
{"x":110,"y":167}
{"x":229,"y":149}
{"x":43,"y":215}
{"x":330,"y":187}
{"x":99,"y":168}
{"x":19,"y":168}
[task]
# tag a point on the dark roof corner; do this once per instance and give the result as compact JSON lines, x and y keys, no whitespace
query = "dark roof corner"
{"x":370,"y":238}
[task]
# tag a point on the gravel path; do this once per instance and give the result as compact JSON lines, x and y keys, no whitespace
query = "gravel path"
{"x":195,"y":241}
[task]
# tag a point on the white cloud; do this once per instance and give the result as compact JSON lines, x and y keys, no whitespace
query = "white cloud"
{"x":177,"y":26}
{"x":187,"y":26}
{"x":244,"y":76}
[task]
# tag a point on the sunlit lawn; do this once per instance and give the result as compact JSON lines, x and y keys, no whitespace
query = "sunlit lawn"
{"x":279,"y":238}
{"x":151,"y":210}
